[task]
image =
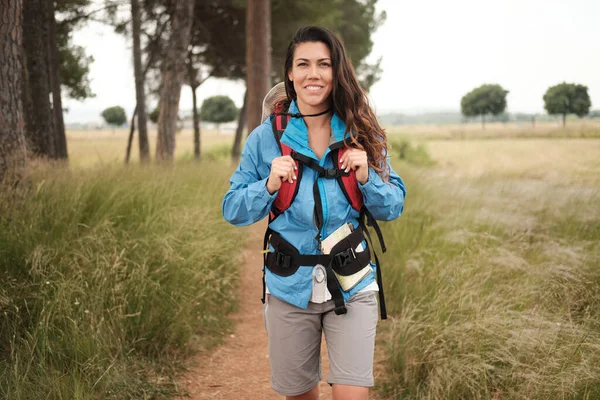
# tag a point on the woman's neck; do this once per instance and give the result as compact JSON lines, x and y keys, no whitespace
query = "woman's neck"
{"x":322,"y":123}
{"x":317,"y":124}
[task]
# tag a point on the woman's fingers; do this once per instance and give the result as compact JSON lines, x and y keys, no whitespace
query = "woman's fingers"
{"x":284,"y":167}
{"x":353,"y":159}
{"x":284,"y":173}
{"x":291,"y":160}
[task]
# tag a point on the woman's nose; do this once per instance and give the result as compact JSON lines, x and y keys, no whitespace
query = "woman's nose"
{"x":313,"y":72}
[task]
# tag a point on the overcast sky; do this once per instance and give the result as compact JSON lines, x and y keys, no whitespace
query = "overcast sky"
{"x":434,"y":51}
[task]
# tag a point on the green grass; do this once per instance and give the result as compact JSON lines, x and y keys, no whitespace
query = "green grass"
{"x":493,"y":282}
{"x":112,"y":276}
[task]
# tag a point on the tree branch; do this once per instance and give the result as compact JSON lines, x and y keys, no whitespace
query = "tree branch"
{"x":78,"y":17}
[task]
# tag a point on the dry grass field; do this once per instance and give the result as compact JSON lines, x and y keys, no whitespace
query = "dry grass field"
{"x":106,"y":146}
{"x":573,"y":129}
{"x":492,"y":273}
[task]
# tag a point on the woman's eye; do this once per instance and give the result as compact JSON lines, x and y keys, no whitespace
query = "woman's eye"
{"x":325,"y":64}
{"x":302,"y":64}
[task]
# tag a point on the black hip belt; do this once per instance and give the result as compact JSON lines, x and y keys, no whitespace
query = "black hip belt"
{"x":344,"y":260}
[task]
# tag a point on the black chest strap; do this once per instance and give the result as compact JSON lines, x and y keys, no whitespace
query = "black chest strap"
{"x":329,"y":173}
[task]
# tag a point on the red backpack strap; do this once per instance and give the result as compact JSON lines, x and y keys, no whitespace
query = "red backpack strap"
{"x":288,"y":191}
{"x":348,"y":183}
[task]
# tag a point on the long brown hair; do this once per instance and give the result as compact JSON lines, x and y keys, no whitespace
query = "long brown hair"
{"x":349,"y":99}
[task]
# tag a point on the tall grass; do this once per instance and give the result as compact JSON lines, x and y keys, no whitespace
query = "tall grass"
{"x":110,"y":276}
{"x":576,"y":129}
{"x":493,"y":283}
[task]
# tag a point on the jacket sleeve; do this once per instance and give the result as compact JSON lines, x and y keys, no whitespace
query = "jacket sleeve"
{"x":248,"y":200}
{"x":385,"y":200}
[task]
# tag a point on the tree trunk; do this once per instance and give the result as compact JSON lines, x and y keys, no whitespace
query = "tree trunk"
{"x":12,"y":141}
{"x":40,"y":119}
{"x":130,"y":138}
{"x":196,"y":123}
{"x":55,"y":86}
{"x":258,"y":57}
{"x":237,"y":143}
{"x":173,"y":75}
{"x":139,"y":83}
{"x":149,"y":62}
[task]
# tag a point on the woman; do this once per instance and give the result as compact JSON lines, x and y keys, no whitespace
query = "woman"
{"x":326,"y":105}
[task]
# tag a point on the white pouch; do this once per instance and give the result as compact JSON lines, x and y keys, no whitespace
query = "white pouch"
{"x":346,"y":282}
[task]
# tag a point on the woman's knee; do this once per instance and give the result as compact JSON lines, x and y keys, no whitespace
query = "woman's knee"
{"x":312,"y":394}
{"x":348,"y":392}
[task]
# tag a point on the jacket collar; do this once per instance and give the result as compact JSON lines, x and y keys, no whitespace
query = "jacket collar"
{"x":296,"y":133}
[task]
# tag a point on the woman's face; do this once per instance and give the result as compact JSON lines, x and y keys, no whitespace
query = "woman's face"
{"x":312,"y":76}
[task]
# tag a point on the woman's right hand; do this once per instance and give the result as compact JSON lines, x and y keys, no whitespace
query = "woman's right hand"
{"x":282,"y":169}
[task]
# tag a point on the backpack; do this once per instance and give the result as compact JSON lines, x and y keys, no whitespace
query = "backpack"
{"x":285,"y":259}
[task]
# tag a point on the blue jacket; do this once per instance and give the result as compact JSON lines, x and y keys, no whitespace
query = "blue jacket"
{"x":248,"y":201}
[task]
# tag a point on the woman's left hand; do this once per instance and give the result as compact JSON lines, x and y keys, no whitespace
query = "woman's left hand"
{"x":355,"y":159}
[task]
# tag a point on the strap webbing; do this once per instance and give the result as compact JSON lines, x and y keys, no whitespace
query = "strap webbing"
{"x":382,"y":306}
{"x":371,"y":221}
{"x":336,"y":294}
{"x":330,"y":173}
{"x":287,"y":254}
{"x":268,"y":233}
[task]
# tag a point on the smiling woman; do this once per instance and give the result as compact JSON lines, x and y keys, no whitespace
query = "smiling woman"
{"x":318,"y":168}
{"x":312,"y":76}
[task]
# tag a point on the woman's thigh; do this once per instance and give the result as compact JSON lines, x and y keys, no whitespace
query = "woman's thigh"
{"x":351,"y":341}
{"x":294,"y":336}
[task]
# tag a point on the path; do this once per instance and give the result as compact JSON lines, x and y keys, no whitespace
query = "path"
{"x":239,"y":368}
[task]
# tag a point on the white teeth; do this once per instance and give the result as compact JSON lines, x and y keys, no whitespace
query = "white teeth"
{"x":313,"y":87}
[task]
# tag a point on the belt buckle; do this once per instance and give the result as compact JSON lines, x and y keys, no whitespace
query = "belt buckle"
{"x":345,"y":257}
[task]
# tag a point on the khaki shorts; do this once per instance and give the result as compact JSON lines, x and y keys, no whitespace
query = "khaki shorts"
{"x":295,"y":343}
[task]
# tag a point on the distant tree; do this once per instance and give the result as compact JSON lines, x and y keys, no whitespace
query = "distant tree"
{"x":12,"y":141}
{"x":218,"y":109}
{"x":486,"y":99}
{"x":567,"y":98}
{"x":74,"y":62}
{"x":51,"y":63}
{"x":173,"y":74}
{"x":37,"y":106}
{"x":594,"y":114}
{"x":153,"y":115}
{"x":114,"y":116}
{"x":218,"y":38}
{"x":258,"y":57}
{"x":194,"y":78}
{"x":74,"y":70}
{"x":139,"y":82}
{"x":237,"y":141}
{"x":60,"y":136}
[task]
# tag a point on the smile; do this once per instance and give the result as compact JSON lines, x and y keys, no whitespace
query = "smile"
{"x":314,"y":88}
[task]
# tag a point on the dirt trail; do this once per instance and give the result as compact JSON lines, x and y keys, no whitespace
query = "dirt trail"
{"x":239,"y":368}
